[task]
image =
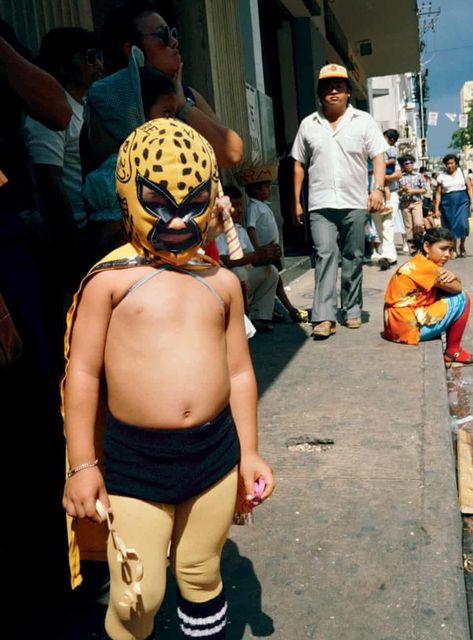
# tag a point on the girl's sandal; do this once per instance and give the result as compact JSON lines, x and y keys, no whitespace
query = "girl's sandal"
{"x":451,"y":359}
{"x":299,"y":315}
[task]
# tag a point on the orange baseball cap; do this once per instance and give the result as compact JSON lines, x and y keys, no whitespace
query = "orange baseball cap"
{"x":333,"y":71}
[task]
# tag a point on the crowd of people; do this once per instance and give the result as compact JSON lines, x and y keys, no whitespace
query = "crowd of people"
{"x":112,"y":211}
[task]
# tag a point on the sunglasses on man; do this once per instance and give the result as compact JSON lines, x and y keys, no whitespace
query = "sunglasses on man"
{"x":164,"y":34}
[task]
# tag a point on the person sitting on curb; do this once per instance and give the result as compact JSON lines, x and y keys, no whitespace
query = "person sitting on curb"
{"x":424,"y":300}
{"x":255,"y":270}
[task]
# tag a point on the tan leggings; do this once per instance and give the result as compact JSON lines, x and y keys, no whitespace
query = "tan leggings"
{"x":197,"y":530}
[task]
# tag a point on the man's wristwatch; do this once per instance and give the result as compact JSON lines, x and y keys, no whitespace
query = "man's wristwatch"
{"x":182,"y":114}
{"x":378,"y":187}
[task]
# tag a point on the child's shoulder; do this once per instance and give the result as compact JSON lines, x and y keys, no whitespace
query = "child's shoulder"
{"x":113,"y":283}
{"x":225,"y":279}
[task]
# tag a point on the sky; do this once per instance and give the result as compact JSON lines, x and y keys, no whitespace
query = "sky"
{"x":449,"y":59}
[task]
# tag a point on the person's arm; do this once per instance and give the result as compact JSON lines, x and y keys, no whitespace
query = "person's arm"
{"x":438,"y":197}
{"x":261,"y":256}
{"x":252,"y":235}
{"x":82,"y":393}
{"x":375,"y":198}
{"x":449,"y":282}
{"x":227,"y":144}
{"x":393,"y":177}
{"x":297,"y":210}
{"x":469,"y":190}
{"x":243,"y":394}
{"x":42,"y":94}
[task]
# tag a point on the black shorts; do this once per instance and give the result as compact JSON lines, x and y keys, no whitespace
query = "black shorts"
{"x":168,"y":465}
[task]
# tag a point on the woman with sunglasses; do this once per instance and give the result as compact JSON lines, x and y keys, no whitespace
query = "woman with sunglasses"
{"x":139,"y":24}
{"x":454,"y":201}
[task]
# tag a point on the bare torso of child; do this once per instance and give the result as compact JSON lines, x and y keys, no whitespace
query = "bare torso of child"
{"x":165,"y":353}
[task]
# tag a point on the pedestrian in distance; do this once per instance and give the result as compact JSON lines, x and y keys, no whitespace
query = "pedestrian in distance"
{"x":334,"y":145}
{"x":454,"y":201}
{"x":411,"y":189}
{"x":163,"y":326}
{"x":423,"y":299}
{"x":387,"y":219}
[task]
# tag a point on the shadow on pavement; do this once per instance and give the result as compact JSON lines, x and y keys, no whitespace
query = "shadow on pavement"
{"x":271,"y":352}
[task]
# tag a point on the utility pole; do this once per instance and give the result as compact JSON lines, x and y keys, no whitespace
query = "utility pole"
{"x":427,"y":20}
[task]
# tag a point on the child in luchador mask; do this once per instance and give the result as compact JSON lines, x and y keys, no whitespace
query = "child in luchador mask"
{"x":162,"y":326}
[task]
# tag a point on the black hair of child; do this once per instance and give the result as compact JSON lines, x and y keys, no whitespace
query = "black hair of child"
{"x":406,"y":158}
{"x":252,"y":188}
{"x":154,"y":84}
{"x":436,"y":234}
{"x":392,"y":134}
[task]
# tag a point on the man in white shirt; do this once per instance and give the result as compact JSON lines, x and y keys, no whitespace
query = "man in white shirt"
{"x":336,"y":143}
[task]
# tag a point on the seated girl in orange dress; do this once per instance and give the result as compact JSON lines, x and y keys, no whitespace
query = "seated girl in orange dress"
{"x":423,"y":299}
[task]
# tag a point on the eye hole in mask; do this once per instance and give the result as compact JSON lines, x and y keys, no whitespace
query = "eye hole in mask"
{"x":158,"y":201}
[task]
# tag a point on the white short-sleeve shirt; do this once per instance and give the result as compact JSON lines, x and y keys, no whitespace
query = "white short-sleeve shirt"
{"x":337,"y":159}
{"x":453,"y":182}
{"x":243,"y":237}
{"x":61,"y":149}
{"x":260,"y":216}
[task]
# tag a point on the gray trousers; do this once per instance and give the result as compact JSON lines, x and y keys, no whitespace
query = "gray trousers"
{"x":348,"y":226}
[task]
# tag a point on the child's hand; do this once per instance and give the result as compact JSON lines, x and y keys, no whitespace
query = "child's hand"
{"x":180,"y":95}
{"x":221,"y":206}
{"x":446,"y":277}
{"x":82,"y":491}
{"x":252,"y":467}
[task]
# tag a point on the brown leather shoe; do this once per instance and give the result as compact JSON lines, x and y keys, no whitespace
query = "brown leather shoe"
{"x":323,"y":330}
{"x":353,"y":323}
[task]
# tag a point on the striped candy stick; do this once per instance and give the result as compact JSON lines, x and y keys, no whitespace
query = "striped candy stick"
{"x":233,"y":242}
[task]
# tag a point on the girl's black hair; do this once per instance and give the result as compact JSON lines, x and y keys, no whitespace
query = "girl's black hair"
{"x":438,"y":234}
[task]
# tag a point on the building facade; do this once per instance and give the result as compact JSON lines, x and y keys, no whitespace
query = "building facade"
{"x":257,"y":61}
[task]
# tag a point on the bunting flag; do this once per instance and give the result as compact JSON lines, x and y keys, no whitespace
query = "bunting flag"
{"x":463,"y":120}
{"x":433,"y":117}
{"x":451,"y":116}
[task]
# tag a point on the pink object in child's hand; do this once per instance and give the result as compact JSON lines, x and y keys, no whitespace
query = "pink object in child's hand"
{"x":258,"y":491}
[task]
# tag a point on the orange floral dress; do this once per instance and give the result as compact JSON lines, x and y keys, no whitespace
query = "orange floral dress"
{"x":412,"y":300}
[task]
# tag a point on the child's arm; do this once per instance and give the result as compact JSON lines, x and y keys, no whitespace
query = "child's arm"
{"x":261,"y":256}
{"x":82,"y":392}
{"x":449,"y":282}
{"x":252,"y":234}
{"x":243,"y":394}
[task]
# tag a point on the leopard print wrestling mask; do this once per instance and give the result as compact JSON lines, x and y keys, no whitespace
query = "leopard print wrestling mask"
{"x":167,"y":181}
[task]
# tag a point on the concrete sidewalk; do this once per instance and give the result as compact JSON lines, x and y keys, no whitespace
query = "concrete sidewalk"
{"x":361,"y":540}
